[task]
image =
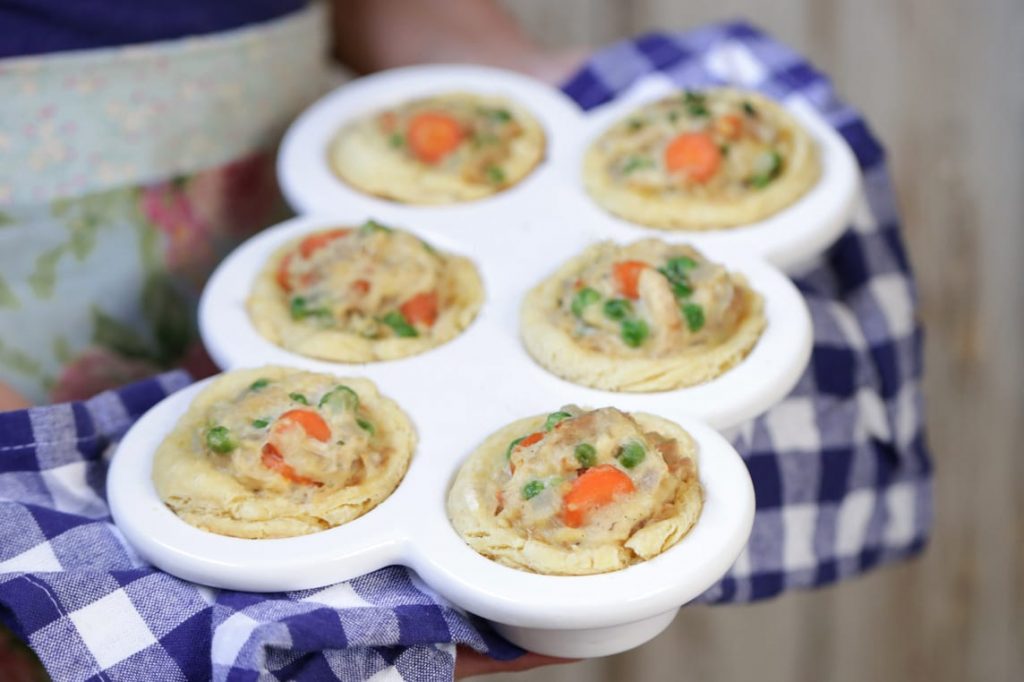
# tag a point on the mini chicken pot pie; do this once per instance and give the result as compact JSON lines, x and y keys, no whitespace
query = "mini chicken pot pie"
{"x":576,"y":493}
{"x":436,"y":150}
{"x":702,"y":160}
{"x":274,"y":452}
{"x":358,"y":295}
{"x":648,"y":316}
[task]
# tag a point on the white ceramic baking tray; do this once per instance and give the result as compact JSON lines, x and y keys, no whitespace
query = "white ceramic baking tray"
{"x":461,"y":392}
{"x":562,"y":616}
{"x":789,"y":238}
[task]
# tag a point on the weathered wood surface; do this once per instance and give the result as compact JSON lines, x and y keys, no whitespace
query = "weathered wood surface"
{"x":942,"y":83}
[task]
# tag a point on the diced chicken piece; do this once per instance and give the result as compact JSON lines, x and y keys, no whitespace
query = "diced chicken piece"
{"x":668,"y":330}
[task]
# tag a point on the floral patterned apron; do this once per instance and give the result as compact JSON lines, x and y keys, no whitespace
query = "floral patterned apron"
{"x":125,"y":175}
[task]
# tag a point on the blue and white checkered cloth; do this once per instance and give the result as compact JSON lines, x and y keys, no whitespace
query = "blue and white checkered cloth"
{"x":841,"y":470}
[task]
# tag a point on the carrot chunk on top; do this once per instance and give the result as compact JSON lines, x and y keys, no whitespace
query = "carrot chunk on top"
{"x":693,"y":154}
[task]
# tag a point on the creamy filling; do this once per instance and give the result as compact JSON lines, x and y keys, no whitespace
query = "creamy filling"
{"x":650,"y":299}
{"x":286,"y":438}
{"x":459,"y":137}
{"x":710,"y":145}
{"x":588,"y":479}
{"x":371,"y":281}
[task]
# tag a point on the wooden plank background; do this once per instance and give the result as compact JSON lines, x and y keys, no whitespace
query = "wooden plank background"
{"x":942,"y":83}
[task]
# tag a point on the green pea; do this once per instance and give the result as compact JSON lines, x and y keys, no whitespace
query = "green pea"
{"x":397,"y":140}
{"x":532,"y":489}
{"x":723,"y":149}
{"x":495,"y":175}
{"x":586,"y":455}
{"x":617,"y":309}
{"x":768,"y":165}
{"x":366,"y":426}
{"x":299,"y":398}
{"x":631,"y":454}
{"x":554,"y":418}
{"x":499,"y":115}
{"x":512,"y":446}
{"x":634,"y":332}
{"x":220,"y":440}
{"x":297,"y":307}
{"x":694,"y":315}
{"x":340,"y":397}
{"x":300,"y":309}
{"x":678,"y":269}
{"x":696,"y":104}
{"x":636,"y":124}
{"x":749,"y":109}
{"x":635,"y":163}
{"x":260,"y":423}
{"x":399,"y":325}
{"x":681,"y":290}
{"x":583,"y":298}
{"x":259,"y":384}
{"x":371,"y":226}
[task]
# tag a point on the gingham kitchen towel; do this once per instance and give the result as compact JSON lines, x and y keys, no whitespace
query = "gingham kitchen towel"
{"x":841,"y":469}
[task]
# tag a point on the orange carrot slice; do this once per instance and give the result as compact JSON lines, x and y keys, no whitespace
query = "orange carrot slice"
{"x":694,"y":154}
{"x":526,"y":442}
{"x":313,"y":242}
{"x":730,"y":126}
{"x":596,"y":487}
{"x":283,"y":276}
{"x":627,"y":276}
{"x":361,"y":286}
{"x":421,"y":309}
{"x":530,"y":440}
{"x":312,"y":423}
{"x":272,"y":459}
{"x":432,"y":136}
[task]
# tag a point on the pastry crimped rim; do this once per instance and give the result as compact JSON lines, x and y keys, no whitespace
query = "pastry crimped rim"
{"x":270,"y":315}
{"x":470,"y":503}
{"x":558,"y":352}
{"x":361,"y":157}
{"x":214,"y":501}
{"x":801,"y":171}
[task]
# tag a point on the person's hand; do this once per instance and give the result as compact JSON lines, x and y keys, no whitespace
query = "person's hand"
{"x":469,"y":663}
{"x":11,"y":399}
{"x":370,"y":35}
